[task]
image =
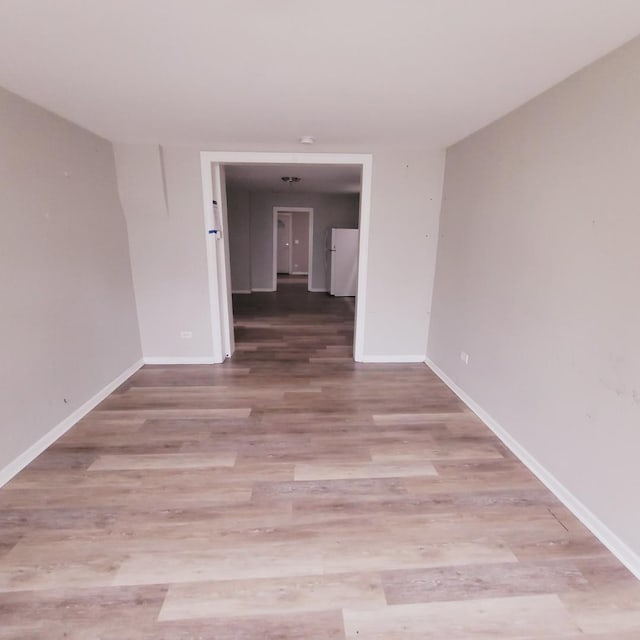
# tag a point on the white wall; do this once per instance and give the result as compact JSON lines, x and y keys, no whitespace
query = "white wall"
{"x":68,"y":324}
{"x":537,"y":279}
{"x":166,"y":241}
{"x":407,"y":192}
{"x":169,"y":263}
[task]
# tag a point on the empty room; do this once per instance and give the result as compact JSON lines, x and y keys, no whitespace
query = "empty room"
{"x":213,"y":426}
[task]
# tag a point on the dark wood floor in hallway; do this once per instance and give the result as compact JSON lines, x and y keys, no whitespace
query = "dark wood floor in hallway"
{"x":292,"y":493}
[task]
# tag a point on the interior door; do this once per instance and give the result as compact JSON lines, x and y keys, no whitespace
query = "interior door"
{"x":284,"y":243}
{"x":344,"y":262}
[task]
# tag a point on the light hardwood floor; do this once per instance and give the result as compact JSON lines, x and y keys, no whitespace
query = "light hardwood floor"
{"x":291,"y":493}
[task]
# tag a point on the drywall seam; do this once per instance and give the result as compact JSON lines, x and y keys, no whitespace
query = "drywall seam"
{"x":19,"y":463}
{"x":609,"y":539}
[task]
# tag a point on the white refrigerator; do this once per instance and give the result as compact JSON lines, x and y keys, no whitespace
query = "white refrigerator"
{"x":343,"y":262}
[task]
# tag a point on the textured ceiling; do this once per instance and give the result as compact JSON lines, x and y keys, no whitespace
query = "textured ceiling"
{"x":255,"y":72}
{"x":313,"y":178}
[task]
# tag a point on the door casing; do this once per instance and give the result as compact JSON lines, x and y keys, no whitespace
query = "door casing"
{"x":218,"y":267}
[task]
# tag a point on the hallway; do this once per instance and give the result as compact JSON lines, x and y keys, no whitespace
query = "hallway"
{"x":293,"y":324}
{"x":293,"y":493}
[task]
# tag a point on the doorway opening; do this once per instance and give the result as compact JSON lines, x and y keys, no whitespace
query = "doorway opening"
{"x":293,"y":244}
{"x":213,"y":166}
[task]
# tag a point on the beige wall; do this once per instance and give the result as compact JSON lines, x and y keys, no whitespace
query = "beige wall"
{"x":169,"y":262}
{"x":239,"y":216}
{"x":537,"y":279}
{"x":68,"y":324}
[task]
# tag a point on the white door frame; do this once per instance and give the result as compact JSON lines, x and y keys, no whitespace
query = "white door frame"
{"x":281,"y":209}
{"x":218,"y":263}
{"x":275,"y":244}
{"x":218,"y":272}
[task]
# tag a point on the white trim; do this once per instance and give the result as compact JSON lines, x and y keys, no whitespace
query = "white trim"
{"x":274,"y":269}
{"x":211,"y":249}
{"x":19,"y":463}
{"x":285,"y":157}
{"x":241,"y":291}
{"x":309,"y":272}
{"x":299,"y":273}
{"x":317,"y":290}
{"x":262,"y":289}
{"x":609,"y":539}
{"x":363,"y":259}
{"x":218,"y":179}
{"x":179,"y":360}
{"x":207,"y":158}
{"x":399,"y":359}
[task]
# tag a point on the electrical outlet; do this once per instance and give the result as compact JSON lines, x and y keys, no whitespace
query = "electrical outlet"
{"x":464,"y":356}
{"x":186,"y":335}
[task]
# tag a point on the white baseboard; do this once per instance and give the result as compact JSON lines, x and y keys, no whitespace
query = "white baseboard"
{"x":241,"y":291}
{"x":609,"y":539}
{"x":19,"y":463}
{"x":179,"y":360}
{"x":263,"y":289}
{"x":317,"y":290}
{"x":299,"y":273}
{"x":392,"y":359}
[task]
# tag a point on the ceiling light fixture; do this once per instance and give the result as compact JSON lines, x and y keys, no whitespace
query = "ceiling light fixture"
{"x":290,"y":179}
{"x":307,"y":140}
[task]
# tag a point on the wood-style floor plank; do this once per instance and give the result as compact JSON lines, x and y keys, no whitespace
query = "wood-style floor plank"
{"x":292,"y":493}
{"x":123,"y":462}
{"x":511,"y":618}
{"x":272,"y":596}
